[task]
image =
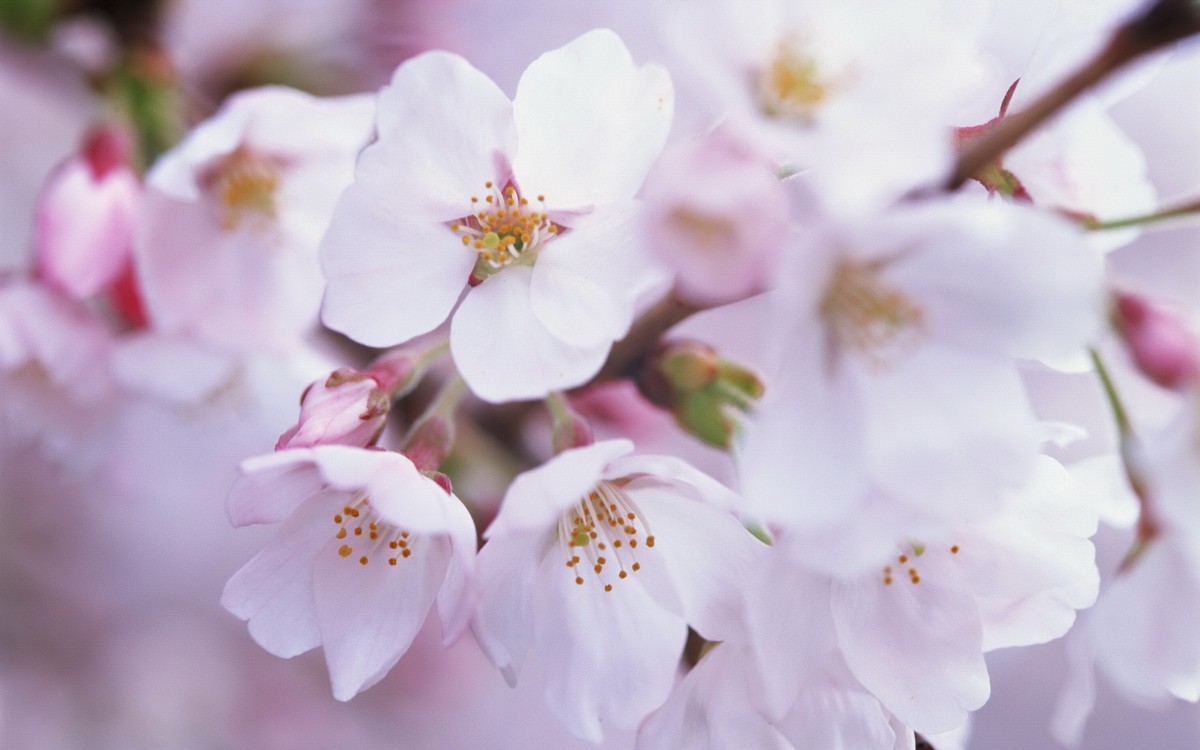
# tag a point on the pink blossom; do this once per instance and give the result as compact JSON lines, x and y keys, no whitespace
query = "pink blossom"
{"x":717,"y":216}
{"x":526,"y":206}
{"x":598,"y":561}
{"x":226,"y":249}
{"x":896,"y":326}
{"x":365,"y":546}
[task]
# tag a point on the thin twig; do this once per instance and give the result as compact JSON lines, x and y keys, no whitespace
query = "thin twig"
{"x":1162,"y":23}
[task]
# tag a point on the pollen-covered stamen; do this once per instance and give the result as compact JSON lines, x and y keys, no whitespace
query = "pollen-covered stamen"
{"x":243,"y":185}
{"x":864,"y":313}
{"x":504,"y":228}
{"x":906,"y":563}
{"x":791,"y":85}
{"x":602,"y":531}
{"x":366,"y":537}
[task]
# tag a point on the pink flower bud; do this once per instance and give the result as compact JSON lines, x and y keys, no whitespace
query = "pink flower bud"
{"x":86,"y":216}
{"x":718,"y":218}
{"x":1162,"y":346}
{"x":348,"y":408}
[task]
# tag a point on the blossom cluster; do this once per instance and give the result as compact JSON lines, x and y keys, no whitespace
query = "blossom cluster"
{"x":744,"y":376}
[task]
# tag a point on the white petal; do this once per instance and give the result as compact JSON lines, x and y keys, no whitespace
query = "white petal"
{"x":269,"y":488}
{"x":391,"y":274}
{"x":670,"y":470}
{"x":916,"y":646}
{"x":591,"y":122}
{"x":1032,"y":565}
{"x":940,"y":446}
{"x":505,"y":353}
{"x":790,"y":627}
{"x":537,"y":498}
{"x":711,"y":710}
{"x":837,"y":719}
{"x":1001,"y":279}
{"x":445,"y":129}
{"x":369,"y":614}
{"x":397,"y":491}
{"x":458,"y":595}
{"x":586,"y":282}
{"x":706,"y":554}
{"x":1077,"y":698}
{"x":613,"y":654}
{"x":801,"y":456}
{"x":274,"y":591}
{"x":1146,"y":624}
{"x":288,"y":120}
{"x":503,"y":624}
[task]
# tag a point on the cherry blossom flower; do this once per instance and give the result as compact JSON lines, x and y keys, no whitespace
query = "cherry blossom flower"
{"x":895,"y":328}
{"x":226,"y":249}
{"x":714,"y":707}
{"x":718,"y":217}
{"x":599,"y":561}
{"x":524,"y":205}
{"x":830,"y":86}
{"x":913,"y":631}
{"x":366,"y":545}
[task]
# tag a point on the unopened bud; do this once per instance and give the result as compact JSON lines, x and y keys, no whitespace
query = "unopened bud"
{"x":86,"y":215}
{"x":1162,"y":346}
{"x":688,"y":366}
{"x":347,"y":408}
{"x":701,"y":390}
{"x":430,"y":442}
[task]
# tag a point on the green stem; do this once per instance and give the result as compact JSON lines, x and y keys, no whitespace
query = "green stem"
{"x":1150,"y":218}
{"x":1124,"y":426}
{"x":569,"y":429}
{"x":1147,"y":527}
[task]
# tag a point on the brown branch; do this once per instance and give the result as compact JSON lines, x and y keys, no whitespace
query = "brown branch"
{"x":627,"y":354}
{"x":1163,"y":23}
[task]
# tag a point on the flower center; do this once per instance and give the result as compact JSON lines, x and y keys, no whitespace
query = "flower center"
{"x":791,"y":85}
{"x":711,"y":233}
{"x":602,"y":531}
{"x":503,"y":228}
{"x":906,"y":563}
{"x":365,"y":536}
{"x":864,"y":313}
{"x":244,"y":185}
